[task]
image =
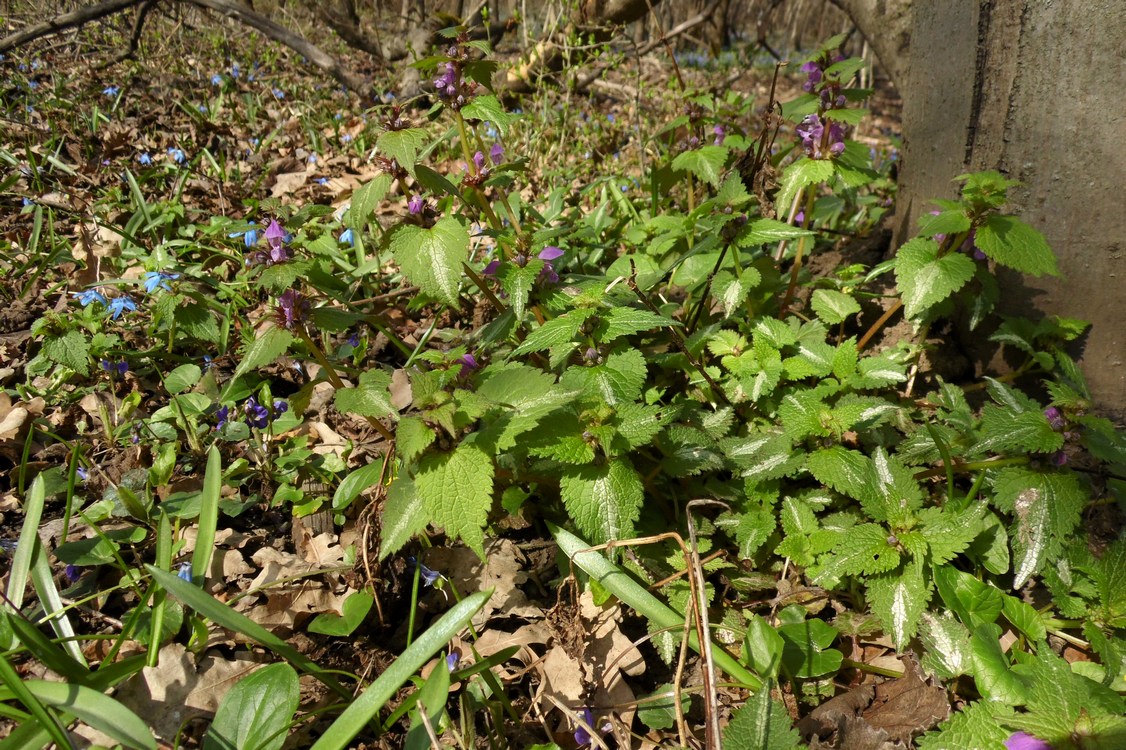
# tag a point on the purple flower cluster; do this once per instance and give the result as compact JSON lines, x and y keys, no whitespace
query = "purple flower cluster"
{"x":828,"y":90}
{"x":452,"y":87}
{"x":818,"y":141}
{"x":292,"y":309}
{"x":257,"y":415}
{"x":276,"y":251}
{"x":547,"y":275}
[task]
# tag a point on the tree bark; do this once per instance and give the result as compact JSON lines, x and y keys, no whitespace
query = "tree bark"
{"x":1033,"y":90}
{"x":59,"y":24}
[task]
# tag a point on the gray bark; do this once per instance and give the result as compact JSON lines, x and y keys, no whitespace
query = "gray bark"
{"x":1033,"y":90}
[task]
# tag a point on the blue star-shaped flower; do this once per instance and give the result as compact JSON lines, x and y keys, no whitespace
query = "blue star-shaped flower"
{"x":88,"y":296}
{"x":159,"y":279}
{"x":111,"y":90}
{"x":347,"y":236}
{"x":119,"y":305}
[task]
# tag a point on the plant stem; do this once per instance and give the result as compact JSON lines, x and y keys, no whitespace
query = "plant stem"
{"x":337,"y":383}
{"x":878,"y":325}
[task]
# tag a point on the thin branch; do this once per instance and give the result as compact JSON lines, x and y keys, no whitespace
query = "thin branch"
{"x":135,"y":36}
{"x":275,"y":31}
{"x":59,"y":24}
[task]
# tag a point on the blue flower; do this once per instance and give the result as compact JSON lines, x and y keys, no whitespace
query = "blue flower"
{"x":88,"y":296}
{"x":145,"y":159}
{"x":184,"y":573}
{"x":159,"y":279}
{"x":82,"y":473}
{"x":354,"y":340}
{"x":234,"y":70}
{"x":119,"y":305}
{"x":347,"y":236}
{"x":451,"y":660}
{"x":346,"y":138}
{"x":216,"y":79}
{"x":278,"y":93}
{"x":429,"y":577}
{"x":111,"y":90}
{"x":119,"y":368}
{"x":249,"y":235}
{"x":177,"y":155}
{"x":322,"y":180}
{"x":280,"y":407}
{"x":72,"y":573}
{"x":203,"y":108}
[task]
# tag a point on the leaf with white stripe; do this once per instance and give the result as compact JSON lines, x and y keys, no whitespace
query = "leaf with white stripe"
{"x":604,"y":501}
{"x":899,"y":599}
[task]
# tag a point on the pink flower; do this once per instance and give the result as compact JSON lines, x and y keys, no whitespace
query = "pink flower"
{"x":1022,"y":741}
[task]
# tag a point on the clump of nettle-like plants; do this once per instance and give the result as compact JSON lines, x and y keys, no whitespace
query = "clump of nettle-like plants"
{"x":601,"y":355}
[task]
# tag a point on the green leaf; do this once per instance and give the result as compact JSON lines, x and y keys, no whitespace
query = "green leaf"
{"x":196,"y":321}
{"x":433,"y":258}
{"x":899,"y":599}
{"x":769,"y":231}
{"x":832,"y":306}
{"x":806,"y":652}
{"x":993,"y":677}
{"x":182,"y":378}
{"x":412,"y":437}
{"x":208,"y":516}
{"x":489,"y":109}
{"x":864,"y":550}
{"x":371,"y":398}
{"x":658,"y":709}
{"x":365,"y":708}
{"x":762,"y":457}
{"x":731,"y":292}
{"x":1046,"y":508}
{"x":706,"y":163}
{"x":604,"y":501}
{"x":948,"y":222}
{"x":403,"y":516}
{"x":402,"y":145}
{"x":948,"y":645}
{"x":264,"y":349}
{"x":518,"y":282}
{"x":561,"y":330}
{"x":356,"y":482}
{"x":804,"y":538}
{"x":800,"y":175}
{"x":352,"y":612}
{"x":527,"y":394}
{"x":436,"y":182}
{"x":72,"y":349}
{"x":457,"y":491}
{"x":764,"y":646}
{"x":1024,"y":618}
{"x":624,"y":321}
{"x":1063,"y":705}
{"x":256,"y":712}
{"x":949,"y":533}
{"x":1012,"y":243}
{"x":971,"y":600}
{"x":366,"y":198}
{"x":925,"y":279}
{"x":762,"y":723}
{"x":617,"y":380}
{"x":1003,"y":429}
{"x":99,"y":711}
{"x":972,"y":727}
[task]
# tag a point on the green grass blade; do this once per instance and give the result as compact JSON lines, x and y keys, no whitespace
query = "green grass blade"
{"x":209,"y":607}
{"x":25,"y":547}
{"x":159,"y":599}
{"x":43,"y":717}
{"x":623,"y":586}
{"x":367,"y":705}
{"x":41,"y":647}
{"x":44,"y":582}
{"x":99,"y":711}
{"x":208,"y":517}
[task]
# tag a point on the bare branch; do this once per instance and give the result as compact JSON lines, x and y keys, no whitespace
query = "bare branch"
{"x":59,"y":24}
{"x":273,"y":30}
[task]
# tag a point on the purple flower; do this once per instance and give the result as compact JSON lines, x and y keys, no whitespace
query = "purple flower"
{"x":119,"y":305}
{"x":451,"y":660}
{"x":1059,"y":458}
{"x":115,"y":368}
{"x":814,"y":74}
{"x":275,"y":234}
{"x":1055,"y":418}
{"x":292,"y":308}
{"x":82,"y":473}
{"x":720,"y":134}
{"x":479,"y":161}
{"x":416,"y":204}
{"x":582,"y":734}
{"x":89,"y":296}
{"x":221,"y":415}
{"x":354,"y":340}
{"x":280,"y":407}
{"x":491,"y":268}
{"x":812,"y":133}
{"x":429,"y":577}
{"x":468,"y":365}
{"x":72,"y":573}
{"x":256,"y":414}
{"x":799,"y":218}
{"x":547,"y":255}
{"x":159,"y":280}
{"x":496,"y":153}
{"x":1022,"y":741}
{"x":939,"y":238}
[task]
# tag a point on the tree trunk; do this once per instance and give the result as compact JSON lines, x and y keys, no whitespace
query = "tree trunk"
{"x":1033,"y":90}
